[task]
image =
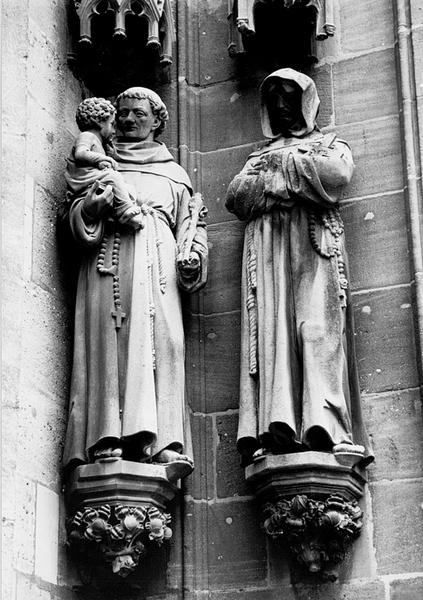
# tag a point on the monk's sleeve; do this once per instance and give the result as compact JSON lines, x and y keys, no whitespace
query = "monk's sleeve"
{"x":85,"y":231}
{"x":316,"y":177}
{"x":191,"y":236}
{"x":246,"y":197}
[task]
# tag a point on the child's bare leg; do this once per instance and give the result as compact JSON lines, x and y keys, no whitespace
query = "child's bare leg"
{"x":126,"y":209}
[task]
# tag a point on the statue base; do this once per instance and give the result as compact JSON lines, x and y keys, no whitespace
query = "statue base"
{"x":309,"y":500}
{"x":116,"y":512}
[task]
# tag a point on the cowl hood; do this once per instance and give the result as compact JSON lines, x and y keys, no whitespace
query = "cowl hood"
{"x":149,"y":157}
{"x":309,"y":104}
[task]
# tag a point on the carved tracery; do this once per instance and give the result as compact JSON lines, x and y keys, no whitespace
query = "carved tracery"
{"x":309,"y":16}
{"x":158,"y":14}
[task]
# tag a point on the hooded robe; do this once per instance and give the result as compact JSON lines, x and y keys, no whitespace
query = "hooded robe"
{"x":298,"y":381}
{"x":128,"y":369}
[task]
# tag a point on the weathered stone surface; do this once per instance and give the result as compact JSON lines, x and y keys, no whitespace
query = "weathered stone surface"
{"x":201,"y":483}
{"x":222,"y":339}
{"x":394,"y":423}
{"x":407,"y":589}
{"x":376,"y":148}
{"x":224,"y":545}
{"x":46,"y":70}
{"x":360,"y":561}
{"x":417,"y":41}
{"x":48,"y":145}
{"x":360,"y":590}
{"x":51,"y":18}
{"x":417,"y":37}
{"x":322,"y":76}
{"x":46,"y":351}
{"x":8,"y":562}
{"x":47,"y":271}
{"x":385,"y":341}
{"x":194,"y":362}
{"x":46,"y":534}
{"x":377,"y":244}
{"x":225,"y":110}
{"x":215,"y":64}
{"x":26,"y":588}
{"x":218,"y":169}
{"x":73,"y":97}
{"x":365,"y":25}
{"x":357,"y":101}
{"x":250,"y":594}
{"x":40,"y":419}
{"x":15,"y":55}
{"x":13,"y":261}
{"x":223,"y":291}
{"x":13,"y":186}
{"x":169,"y":94}
{"x":398,"y":520}
{"x":229,"y":473}
{"x":212,"y":362}
{"x":24,"y":546}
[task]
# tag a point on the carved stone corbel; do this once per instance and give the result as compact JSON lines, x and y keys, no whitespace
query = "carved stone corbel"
{"x":118,"y":512}
{"x":309,"y":500}
{"x":316,"y":16}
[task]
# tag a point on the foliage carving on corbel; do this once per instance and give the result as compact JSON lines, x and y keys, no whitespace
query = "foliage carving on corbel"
{"x":118,"y":535}
{"x":317,"y":531}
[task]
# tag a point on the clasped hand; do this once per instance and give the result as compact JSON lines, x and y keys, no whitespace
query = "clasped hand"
{"x":98,"y":201}
{"x":107,"y":162}
{"x":190,"y":267}
{"x":257,"y":167}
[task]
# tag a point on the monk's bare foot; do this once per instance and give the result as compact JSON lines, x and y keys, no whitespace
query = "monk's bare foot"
{"x":169,"y":456}
{"x":177,"y":465}
{"x":348,"y":454}
{"x":351,"y":448}
{"x":261,"y":453}
{"x":105,"y":454}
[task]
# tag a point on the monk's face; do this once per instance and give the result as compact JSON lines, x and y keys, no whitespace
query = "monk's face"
{"x":136,"y":120}
{"x":283,"y":100}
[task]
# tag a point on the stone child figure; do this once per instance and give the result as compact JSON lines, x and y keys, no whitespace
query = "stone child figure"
{"x":299,"y":388}
{"x":128,"y":380}
{"x":88,"y":161}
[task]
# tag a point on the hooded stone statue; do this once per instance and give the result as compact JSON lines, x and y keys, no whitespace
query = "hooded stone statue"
{"x":298,"y":385}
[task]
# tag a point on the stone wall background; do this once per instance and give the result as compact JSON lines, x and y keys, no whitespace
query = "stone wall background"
{"x":213,"y":102}
{"x":358,"y":79}
{"x":39,"y":100}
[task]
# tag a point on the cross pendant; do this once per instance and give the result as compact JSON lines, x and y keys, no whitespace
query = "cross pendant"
{"x":118,"y":315}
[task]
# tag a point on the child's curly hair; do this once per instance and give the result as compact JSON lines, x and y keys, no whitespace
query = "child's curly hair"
{"x":92,"y":112}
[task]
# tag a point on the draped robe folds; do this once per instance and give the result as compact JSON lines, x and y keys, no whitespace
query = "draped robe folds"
{"x":128,"y":383}
{"x":298,"y":381}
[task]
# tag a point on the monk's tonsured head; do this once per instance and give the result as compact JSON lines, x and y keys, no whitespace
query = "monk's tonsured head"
{"x":141,"y":114}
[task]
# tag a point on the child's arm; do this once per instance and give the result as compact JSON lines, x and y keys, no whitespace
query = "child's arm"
{"x":85,"y":154}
